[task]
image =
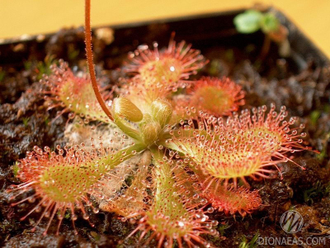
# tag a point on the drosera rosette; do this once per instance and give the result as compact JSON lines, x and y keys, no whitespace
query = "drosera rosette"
{"x":173,"y":218}
{"x":246,"y":145}
{"x":163,"y":173}
{"x":158,"y":71}
{"x":74,"y":93}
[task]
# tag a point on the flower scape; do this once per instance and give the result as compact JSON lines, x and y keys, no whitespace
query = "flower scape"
{"x":162,"y":149}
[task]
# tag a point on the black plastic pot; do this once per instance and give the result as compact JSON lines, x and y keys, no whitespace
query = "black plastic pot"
{"x":201,"y":30}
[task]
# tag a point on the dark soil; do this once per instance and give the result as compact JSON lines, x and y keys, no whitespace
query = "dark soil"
{"x":25,"y":122}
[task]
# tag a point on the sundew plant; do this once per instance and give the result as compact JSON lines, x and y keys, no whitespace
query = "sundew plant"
{"x":180,"y":141}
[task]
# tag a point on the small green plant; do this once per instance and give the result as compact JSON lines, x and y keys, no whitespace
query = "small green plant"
{"x":222,"y":227}
{"x":314,"y":116}
{"x":253,"y":20}
{"x":41,"y":68}
{"x":44,"y":67}
{"x":252,"y":244}
{"x":162,"y":149}
{"x":2,"y":75}
{"x":25,"y":121}
{"x":317,"y":190}
{"x":15,"y":168}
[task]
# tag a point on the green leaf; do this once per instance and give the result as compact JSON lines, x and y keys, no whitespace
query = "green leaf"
{"x":248,"y":22}
{"x":15,"y":168}
{"x":314,"y":116}
{"x":269,"y":23}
